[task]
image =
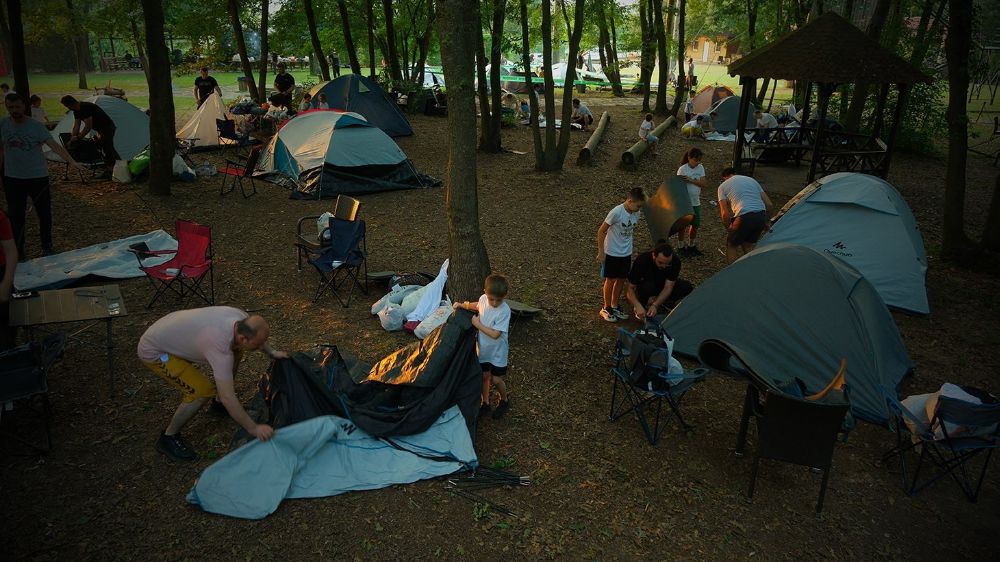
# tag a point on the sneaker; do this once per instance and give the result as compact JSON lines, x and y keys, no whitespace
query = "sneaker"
{"x":502,"y":408}
{"x":619,"y":313}
{"x":484,"y":410}
{"x":174,"y":447}
{"x":608,"y":314}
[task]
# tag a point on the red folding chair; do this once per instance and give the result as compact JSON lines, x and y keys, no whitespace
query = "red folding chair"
{"x":240,"y":171}
{"x":184,"y":273}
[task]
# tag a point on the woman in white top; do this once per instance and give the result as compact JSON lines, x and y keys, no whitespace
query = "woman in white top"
{"x":693,"y":173}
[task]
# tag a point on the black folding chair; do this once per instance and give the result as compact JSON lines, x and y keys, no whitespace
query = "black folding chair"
{"x":346,"y":208}
{"x":342,"y":261}
{"x":24,"y":392}
{"x":796,"y":431}
{"x":242,"y":174}
{"x":226,"y":129}
{"x":85,"y":151}
{"x":639,"y":384}
{"x":959,"y":432}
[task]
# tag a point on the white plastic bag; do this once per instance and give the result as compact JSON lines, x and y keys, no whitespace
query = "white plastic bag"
{"x":323,"y":223}
{"x":412,"y":299}
{"x":181,"y":169}
{"x":394,"y":296}
{"x":434,"y":320}
{"x":120,"y":173}
{"x":391,"y":316}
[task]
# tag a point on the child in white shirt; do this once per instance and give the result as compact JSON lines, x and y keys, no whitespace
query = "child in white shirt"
{"x":646,"y":133}
{"x":493,"y":323}
{"x":693,"y":173}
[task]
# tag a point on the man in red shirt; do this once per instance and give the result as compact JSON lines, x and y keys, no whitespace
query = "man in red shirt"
{"x":8,"y":263}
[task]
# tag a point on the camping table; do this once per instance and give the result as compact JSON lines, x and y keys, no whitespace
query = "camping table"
{"x":91,"y":305}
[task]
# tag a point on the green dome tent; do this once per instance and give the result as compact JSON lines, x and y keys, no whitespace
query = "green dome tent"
{"x":355,"y":93}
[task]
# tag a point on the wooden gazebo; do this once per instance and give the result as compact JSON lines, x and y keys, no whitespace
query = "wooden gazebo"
{"x":828,"y":52}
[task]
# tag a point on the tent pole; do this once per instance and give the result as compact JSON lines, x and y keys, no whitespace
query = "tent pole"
{"x":825,"y":90}
{"x":897,"y":120}
{"x":883,"y":96}
{"x":805,"y":105}
{"x":748,"y":90}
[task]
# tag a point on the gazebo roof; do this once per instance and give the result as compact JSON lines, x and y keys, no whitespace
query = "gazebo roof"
{"x":828,"y":49}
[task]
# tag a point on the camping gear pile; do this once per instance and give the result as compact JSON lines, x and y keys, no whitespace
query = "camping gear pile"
{"x":345,"y":425}
{"x":414,"y":304}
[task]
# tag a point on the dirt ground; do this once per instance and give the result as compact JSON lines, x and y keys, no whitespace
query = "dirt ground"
{"x":599,"y":491}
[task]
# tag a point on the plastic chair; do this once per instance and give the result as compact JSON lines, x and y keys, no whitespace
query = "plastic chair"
{"x":346,"y":208}
{"x":24,"y":389}
{"x":628,"y":395}
{"x":241,"y":171}
{"x":184,"y":273}
{"x":797,"y":431}
{"x":950,"y":449}
{"x":342,"y":261}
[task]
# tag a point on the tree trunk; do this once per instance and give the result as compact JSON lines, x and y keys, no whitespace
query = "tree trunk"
{"x":162,"y":143}
{"x":957,"y":48}
{"x":616,"y":75}
{"x":857,"y":108}
{"x":681,"y":42}
{"x":536,"y":135}
{"x":143,"y":61}
{"x":469,"y":263}
{"x":752,"y":6}
{"x":324,"y":68}
{"x":390,"y":41}
{"x":265,"y":53}
{"x":424,"y":44}
{"x":372,"y":70}
{"x":991,"y":234}
{"x":493,"y":119}
{"x":5,"y":40}
{"x":927,"y":31}
{"x":661,"y":49}
{"x":241,"y":48}
{"x":547,"y":162}
{"x":607,"y":46}
{"x":556,"y":163}
{"x":17,"y":53}
{"x":762,"y":93}
{"x":79,"y":47}
{"x":482,"y":92}
{"x":648,"y":52}
{"x":345,"y":23}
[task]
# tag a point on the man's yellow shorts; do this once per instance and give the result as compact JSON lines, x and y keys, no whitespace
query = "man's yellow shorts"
{"x":184,"y":376}
{"x":690,"y":131}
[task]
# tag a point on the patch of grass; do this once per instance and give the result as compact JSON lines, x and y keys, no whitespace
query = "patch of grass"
{"x":480,"y":511}
{"x":503,"y":463}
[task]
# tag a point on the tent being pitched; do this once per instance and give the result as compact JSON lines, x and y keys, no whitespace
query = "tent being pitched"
{"x":865,"y":222}
{"x":131,"y":126}
{"x":795,"y":313}
{"x":355,"y":93}
{"x":201,"y":129}
{"x":327,"y":152}
{"x":728,"y":109}
{"x":709,"y":96}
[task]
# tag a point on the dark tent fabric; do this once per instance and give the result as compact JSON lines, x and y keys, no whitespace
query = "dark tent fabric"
{"x":329,"y":181}
{"x":793,"y":312}
{"x":665,"y":209}
{"x":403,"y":394}
{"x":353,"y":92}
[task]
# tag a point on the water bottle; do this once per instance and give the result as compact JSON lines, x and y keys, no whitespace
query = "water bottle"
{"x":164,"y":358}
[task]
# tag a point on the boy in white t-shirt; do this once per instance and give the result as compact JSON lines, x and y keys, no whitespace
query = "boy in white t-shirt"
{"x":694,"y":176}
{"x":614,"y":251}
{"x":646,"y":133}
{"x":694,"y":128}
{"x":493,"y":323}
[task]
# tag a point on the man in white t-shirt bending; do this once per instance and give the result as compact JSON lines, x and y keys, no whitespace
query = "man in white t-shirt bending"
{"x":745,"y":208}
{"x":614,"y":251}
{"x":218,"y":336}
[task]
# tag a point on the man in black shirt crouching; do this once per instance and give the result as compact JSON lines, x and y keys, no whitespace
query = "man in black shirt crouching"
{"x":654,"y":285}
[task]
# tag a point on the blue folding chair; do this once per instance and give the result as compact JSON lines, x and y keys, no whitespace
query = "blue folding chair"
{"x":635,"y":392}
{"x":344,"y":260}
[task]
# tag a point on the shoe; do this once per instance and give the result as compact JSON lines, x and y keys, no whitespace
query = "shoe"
{"x":484,"y":410}
{"x":217,"y":408}
{"x":609,"y":315}
{"x":502,"y":408}
{"x":694,"y":251}
{"x":619,"y":313}
{"x":174,"y":447}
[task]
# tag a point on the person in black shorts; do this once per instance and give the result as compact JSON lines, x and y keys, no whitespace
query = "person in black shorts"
{"x":284,"y":85}
{"x":654,"y":284}
{"x":744,"y":207}
{"x":614,"y":251}
{"x":204,"y":85}
{"x":93,"y":118}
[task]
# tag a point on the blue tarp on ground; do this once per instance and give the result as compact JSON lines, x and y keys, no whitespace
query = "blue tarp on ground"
{"x":327,"y":456}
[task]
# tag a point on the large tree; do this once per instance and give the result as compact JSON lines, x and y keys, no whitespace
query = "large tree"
{"x":324,"y":68}
{"x":647,"y":59}
{"x":352,"y":51}
{"x":241,"y":47}
{"x":17,"y":53}
{"x":265,"y":6}
{"x":162,"y":142}
{"x":954,"y":242}
{"x":80,"y":48}
{"x":391,"y":54}
{"x":852,"y":120}
{"x":490,"y":104}
{"x":662,"y":48}
{"x":607,"y":44}
{"x":470,"y":264}
{"x":682,"y":90}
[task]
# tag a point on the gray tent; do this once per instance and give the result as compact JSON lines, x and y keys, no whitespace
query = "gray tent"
{"x":665,"y":209}
{"x":864,"y":221}
{"x":728,"y":119}
{"x":793,"y":312}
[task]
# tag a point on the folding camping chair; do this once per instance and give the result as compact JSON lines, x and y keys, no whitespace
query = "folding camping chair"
{"x":24,"y":389}
{"x":345,"y":208}
{"x":797,"y":431}
{"x":640,"y":381}
{"x":342,"y":261}
{"x":241,"y":171}
{"x":85,"y":151}
{"x":959,"y":432}
{"x":184,"y":273}
{"x":226,"y":129}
